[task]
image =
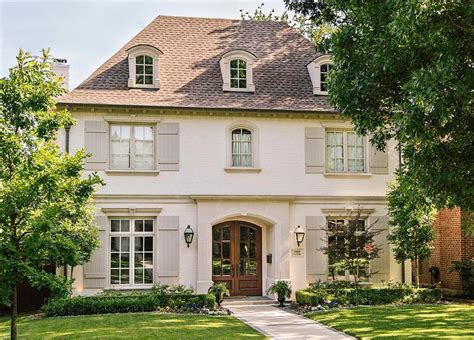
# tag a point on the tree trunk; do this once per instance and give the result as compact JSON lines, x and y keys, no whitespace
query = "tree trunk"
{"x":14,"y":312}
{"x":417,"y":274}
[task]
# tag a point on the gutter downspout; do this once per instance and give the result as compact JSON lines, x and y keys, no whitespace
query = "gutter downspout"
{"x":399,"y":167}
{"x":67,"y":129}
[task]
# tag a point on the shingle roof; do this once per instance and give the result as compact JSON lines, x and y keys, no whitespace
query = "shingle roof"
{"x":189,"y":71}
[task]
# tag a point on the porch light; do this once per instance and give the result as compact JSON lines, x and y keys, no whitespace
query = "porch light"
{"x":299,"y":235}
{"x":188,"y":235}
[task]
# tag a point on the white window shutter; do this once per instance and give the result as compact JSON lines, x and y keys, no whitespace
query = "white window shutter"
{"x":168,"y":147}
{"x":168,"y":249}
{"x":378,"y":161}
{"x":96,"y":142}
{"x":316,"y":260}
{"x":380,"y":267}
{"x":95,"y":271}
{"x":314,"y":150}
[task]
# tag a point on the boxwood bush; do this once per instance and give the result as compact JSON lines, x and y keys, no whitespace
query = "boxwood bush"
{"x":366,"y":296}
{"x":127,"y":303}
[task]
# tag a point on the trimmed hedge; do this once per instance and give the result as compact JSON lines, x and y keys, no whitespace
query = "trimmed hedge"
{"x":126,"y":303}
{"x":367,"y":296}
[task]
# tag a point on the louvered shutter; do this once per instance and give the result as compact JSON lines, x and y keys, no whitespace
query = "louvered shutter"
{"x":316,"y":260}
{"x":95,"y":271}
{"x":168,"y":146}
{"x":314,"y":150}
{"x":380,"y":267}
{"x":168,"y":249}
{"x":96,"y":142}
{"x":378,"y":161}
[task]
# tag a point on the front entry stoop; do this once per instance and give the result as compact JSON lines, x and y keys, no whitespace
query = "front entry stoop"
{"x":242,"y":301}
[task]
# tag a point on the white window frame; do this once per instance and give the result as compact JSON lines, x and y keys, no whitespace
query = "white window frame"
{"x":131,"y":235}
{"x":146,"y":50}
{"x":241,"y":154}
{"x":224,"y":63}
{"x":132,"y":145}
{"x":345,"y":152}
{"x":347,"y":275}
{"x":229,"y":166}
{"x":314,"y":69}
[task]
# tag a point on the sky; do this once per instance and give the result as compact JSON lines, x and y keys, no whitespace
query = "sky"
{"x":88,"y":32}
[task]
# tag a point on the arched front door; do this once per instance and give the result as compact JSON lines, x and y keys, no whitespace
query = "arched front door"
{"x":237,"y":257}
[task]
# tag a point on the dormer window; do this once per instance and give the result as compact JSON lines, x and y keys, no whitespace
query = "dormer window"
{"x":238,"y":74}
{"x":144,"y":70}
{"x":318,"y":71}
{"x":237,"y":71}
{"x":143,"y":66}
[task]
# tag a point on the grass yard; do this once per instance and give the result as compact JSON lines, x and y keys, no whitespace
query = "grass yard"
{"x":418,"y":321}
{"x":130,"y":326}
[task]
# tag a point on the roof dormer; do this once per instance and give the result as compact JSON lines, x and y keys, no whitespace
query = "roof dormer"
{"x":237,"y":71}
{"x":143,"y":67}
{"x":318,"y":71}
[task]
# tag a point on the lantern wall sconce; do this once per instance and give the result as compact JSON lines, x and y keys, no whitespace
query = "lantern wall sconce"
{"x":188,"y":235}
{"x":299,"y":235}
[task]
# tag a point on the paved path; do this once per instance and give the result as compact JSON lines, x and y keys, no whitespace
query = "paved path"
{"x":277,"y":323}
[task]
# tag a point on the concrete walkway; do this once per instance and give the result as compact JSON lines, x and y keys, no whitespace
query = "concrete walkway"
{"x":277,"y":323}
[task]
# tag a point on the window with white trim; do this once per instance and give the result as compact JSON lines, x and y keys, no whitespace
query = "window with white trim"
{"x":345,"y":152}
{"x":336,"y":229}
{"x":238,"y":74}
{"x":323,"y":76}
{"x":132,"y":147}
{"x":144,"y":70}
{"x":241,"y":148}
{"x":319,"y":70}
{"x":143,"y":67}
{"x":132,"y":251}
{"x":237,"y":71}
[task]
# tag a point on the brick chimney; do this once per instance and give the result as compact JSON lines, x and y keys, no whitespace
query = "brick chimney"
{"x":61,"y":68}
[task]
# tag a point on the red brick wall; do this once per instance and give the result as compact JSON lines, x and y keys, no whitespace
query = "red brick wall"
{"x":451,"y":244}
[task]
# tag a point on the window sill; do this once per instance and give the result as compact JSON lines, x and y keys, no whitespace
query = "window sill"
{"x":347,"y":175}
{"x":129,"y":172}
{"x":130,"y":287}
{"x":242,"y":169}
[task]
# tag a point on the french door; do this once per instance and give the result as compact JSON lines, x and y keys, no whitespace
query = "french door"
{"x":237,"y":257}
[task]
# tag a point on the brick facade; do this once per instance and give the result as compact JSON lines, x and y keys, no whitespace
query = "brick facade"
{"x":451,"y":244}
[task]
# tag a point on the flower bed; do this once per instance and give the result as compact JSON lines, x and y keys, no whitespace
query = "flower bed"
{"x":129,"y":303}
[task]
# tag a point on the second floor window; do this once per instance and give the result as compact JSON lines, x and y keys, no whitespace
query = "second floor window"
{"x":324,"y":71}
{"x":238,"y":74}
{"x":144,"y":70}
{"x":345,"y":152}
{"x":132,"y":147}
{"x":242,"y":148}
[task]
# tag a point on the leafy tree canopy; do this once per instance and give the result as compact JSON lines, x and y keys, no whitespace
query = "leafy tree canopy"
{"x":404,"y":70}
{"x":45,"y":201}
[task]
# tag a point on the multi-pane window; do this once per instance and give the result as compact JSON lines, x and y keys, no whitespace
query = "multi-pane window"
{"x":241,"y":148}
{"x":336,"y":230}
{"x":324,"y":71}
{"x":345,"y":152}
{"x":132,"y":147}
{"x":144,"y":70}
{"x":131,"y":251}
{"x":238,"y":74}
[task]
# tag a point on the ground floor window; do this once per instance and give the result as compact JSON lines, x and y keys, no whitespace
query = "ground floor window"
{"x":337,"y":237}
{"x":131,"y":251}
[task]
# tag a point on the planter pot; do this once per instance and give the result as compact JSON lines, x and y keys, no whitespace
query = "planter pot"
{"x":281,"y":300}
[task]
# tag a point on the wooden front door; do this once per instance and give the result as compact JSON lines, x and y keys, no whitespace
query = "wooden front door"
{"x":237,"y":257}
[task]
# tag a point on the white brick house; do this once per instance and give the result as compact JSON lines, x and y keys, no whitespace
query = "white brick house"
{"x":222,"y":125}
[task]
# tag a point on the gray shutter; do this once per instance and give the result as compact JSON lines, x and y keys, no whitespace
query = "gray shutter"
{"x":380,"y":267}
{"x":316,"y":260}
{"x":168,"y":249}
{"x":95,"y":271}
{"x":168,"y":146}
{"x":378,"y":161}
{"x":96,"y":142}
{"x":314,"y":150}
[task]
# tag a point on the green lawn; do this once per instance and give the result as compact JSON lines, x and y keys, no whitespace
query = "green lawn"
{"x":136,"y":326}
{"x":418,"y":321}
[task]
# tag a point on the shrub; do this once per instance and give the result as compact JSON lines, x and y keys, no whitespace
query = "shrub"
{"x":366,"y":296}
{"x":282,"y":289}
{"x":219,"y":290}
{"x":126,"y":303}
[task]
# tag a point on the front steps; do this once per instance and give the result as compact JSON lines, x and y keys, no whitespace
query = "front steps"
{"x":245,"y":301}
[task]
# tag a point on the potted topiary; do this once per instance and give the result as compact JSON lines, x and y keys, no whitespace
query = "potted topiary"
{"x":282,"y":289}
{"x":219,"y":290}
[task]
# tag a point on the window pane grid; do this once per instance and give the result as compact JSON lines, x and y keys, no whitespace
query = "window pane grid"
{"x":345,"y":152}
{"x":120,"y":139}
{"x":324,"y":71}
{"x":335,"y":151}
{"x":144,"y":70}
{"x":132,"y":147}
{"x":355,"y":151}
{"x":143,"y":147}
{"x":132,"y":251}
{"x":241,"y":148}
{"x":238,"y":74}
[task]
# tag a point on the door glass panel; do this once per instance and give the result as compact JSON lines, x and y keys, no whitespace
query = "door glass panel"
{"x":226,"y":233}
{"x":216,"y":267}
{"x":226,"y":249}
{"x":226,"y":267}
